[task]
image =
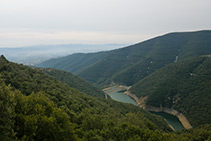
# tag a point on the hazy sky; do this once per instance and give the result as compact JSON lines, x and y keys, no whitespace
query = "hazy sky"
{"x":33,"y":22}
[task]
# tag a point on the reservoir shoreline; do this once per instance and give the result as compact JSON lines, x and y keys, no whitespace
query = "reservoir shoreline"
{"x":180,"y":116}
{"x":141,"y":103}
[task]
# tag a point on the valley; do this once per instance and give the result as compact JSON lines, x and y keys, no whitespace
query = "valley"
{"x":33,"y":55}
{"x":111,"y":95}
{"x":102,"y":70}
{"x":171,"y":71}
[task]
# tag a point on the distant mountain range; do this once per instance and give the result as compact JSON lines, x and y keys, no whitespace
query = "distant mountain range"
{"x":32,"y":55}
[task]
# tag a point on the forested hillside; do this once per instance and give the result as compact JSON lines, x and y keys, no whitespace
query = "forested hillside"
{"x":74,"y":81}
{"x":36,"y":106}
{"x":35,"y":117}
{"x":130,"y":64}
{"x":76,"y":62}
{"x":184,"y":86}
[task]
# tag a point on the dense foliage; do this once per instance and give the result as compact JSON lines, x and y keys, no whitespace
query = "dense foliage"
{"x":184,"y":86}
{"x":7,"y":110}
{"x":76,"y":62}
{"x":36,"y":117}
{"x":36,"y":106}
{"x":74,"y":81}
{"x":202,"y":133}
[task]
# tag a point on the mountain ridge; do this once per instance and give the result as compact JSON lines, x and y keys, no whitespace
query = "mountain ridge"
{"x":74,"y":63}
{"x":128,"y":65}
{"x":183,"y":86}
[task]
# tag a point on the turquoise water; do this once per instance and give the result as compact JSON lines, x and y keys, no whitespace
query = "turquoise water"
{"x":119,"y":96}
{"x":172,"y":120}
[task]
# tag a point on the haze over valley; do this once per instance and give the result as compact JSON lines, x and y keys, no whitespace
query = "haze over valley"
{"x":36,"y":54}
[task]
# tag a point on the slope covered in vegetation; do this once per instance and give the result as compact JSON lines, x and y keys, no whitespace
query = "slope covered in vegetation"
{"x":184,"y":86}
{"x":36,"y":117}
{"x":34,"y":105}
{"x":130,"y":64}
{"x":76,"y":62}
{"x":74,"y":81}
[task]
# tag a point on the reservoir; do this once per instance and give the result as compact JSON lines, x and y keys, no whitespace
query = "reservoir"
{"x":171,"y":119}
{"x":118,"y":95}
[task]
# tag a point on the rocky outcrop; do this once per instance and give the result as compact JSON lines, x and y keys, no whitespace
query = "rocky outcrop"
{"x":140,"y":101}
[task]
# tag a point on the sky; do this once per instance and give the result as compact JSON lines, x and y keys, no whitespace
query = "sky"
{"x":35,"y":22}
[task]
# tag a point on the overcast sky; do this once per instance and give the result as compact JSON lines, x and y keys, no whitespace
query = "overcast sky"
{"x":34,"y":22}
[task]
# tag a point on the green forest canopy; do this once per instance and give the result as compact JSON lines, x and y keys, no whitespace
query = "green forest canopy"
{"x":184,"y":86}
{"x":35,"y":106}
